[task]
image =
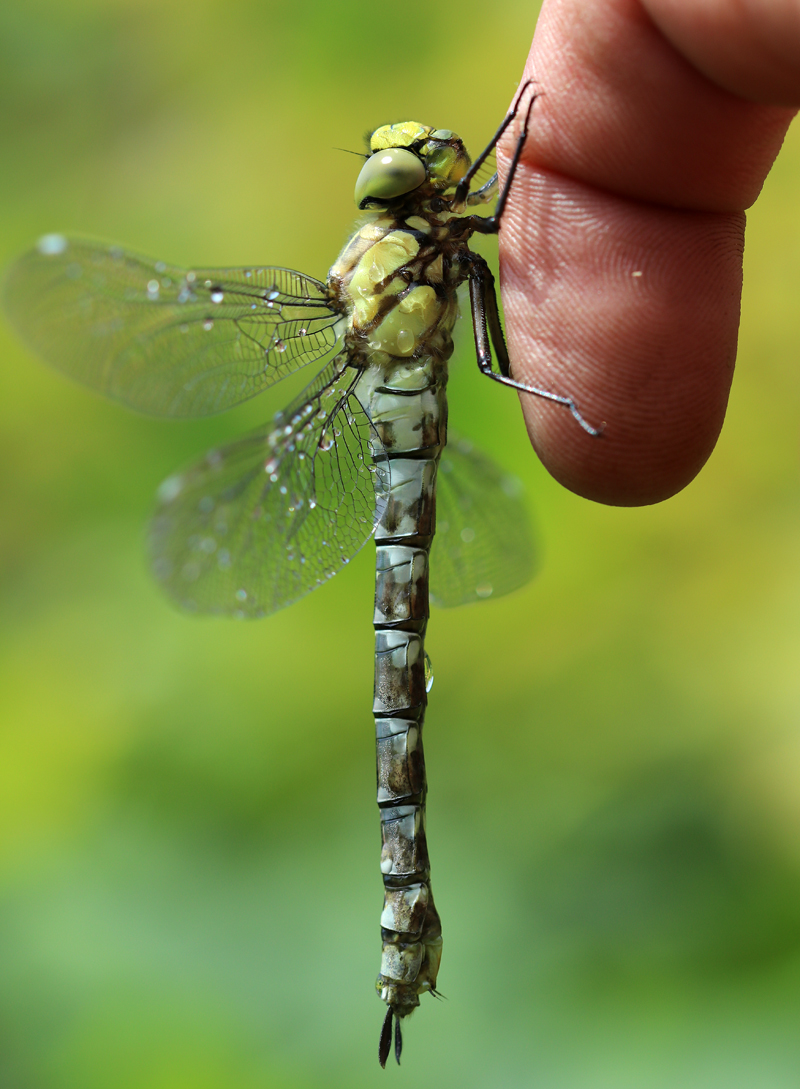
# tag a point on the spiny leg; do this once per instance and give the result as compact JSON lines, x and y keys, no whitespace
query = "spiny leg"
{"x":491,"y":224}
{"x":483,"y":296}
{"x":486,"y":325}
{"x":462,"y":189}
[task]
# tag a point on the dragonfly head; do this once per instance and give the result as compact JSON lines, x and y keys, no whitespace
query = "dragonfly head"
{"x":407,"y":156}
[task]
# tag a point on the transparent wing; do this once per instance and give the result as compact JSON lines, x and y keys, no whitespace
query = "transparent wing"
{"x":484,"y":185}
{"x":164,"y":340}
{"x":259,"y":523}
{"x":483,"y":545}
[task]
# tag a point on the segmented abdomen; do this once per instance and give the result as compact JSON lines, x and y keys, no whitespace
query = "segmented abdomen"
{"x":410,"y":927}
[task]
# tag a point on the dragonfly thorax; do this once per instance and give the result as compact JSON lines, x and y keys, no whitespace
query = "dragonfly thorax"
{"x":396,"y":278}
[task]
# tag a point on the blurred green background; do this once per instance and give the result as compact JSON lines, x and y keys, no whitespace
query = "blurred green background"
{"x":187,"y":816}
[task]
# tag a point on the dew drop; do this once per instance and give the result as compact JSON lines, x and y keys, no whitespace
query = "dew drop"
{"x":428,"y":672}
{"x":50,"y":245}
{"x":170,"y":489}
{"x":405,"y":341}
{"x":217,"y":294}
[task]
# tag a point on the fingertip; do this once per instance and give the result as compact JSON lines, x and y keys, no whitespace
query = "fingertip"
{"x":632,"y":312}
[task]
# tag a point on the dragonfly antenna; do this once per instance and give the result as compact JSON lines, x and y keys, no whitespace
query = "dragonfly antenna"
{"x":347,"y":151}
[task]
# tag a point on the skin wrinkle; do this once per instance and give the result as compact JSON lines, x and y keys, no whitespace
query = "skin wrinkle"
{"x":640,"y":121}
{"x":623,"y":116}
{"x":742,"y":45}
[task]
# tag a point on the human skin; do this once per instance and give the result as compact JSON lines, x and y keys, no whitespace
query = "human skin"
{"x":621,"y":245}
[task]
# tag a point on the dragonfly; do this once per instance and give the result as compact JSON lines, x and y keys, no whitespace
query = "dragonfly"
{"x":258,"y":523}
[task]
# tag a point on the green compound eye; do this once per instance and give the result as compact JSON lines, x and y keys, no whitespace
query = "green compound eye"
{"x":388,"y":174}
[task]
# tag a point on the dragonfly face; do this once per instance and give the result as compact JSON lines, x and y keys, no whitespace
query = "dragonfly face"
{"x":256,"y":524}
{"x":406,"y":157}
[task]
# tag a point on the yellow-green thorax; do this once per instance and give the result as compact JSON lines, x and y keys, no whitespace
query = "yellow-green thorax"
{"x":398,"y":274}
{"x":398,"y":285}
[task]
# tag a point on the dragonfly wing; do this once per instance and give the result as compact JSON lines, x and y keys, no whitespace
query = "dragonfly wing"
{"x":164,"y":340}
{"x":484,"y":544}
{"x":260,"y":523}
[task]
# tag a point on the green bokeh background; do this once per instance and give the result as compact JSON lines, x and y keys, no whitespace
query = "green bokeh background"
{"x":189,"y":891}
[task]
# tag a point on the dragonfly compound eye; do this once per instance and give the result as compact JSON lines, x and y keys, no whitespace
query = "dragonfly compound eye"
{"x":388,"y":174}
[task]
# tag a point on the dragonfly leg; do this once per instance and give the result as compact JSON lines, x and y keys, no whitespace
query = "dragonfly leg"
{"x":489,"y":333}
{"x":486,"y":321}
{"x":463,"y":187}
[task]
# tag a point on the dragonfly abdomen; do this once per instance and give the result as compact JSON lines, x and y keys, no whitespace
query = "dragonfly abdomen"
{"x":408,"y":409}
